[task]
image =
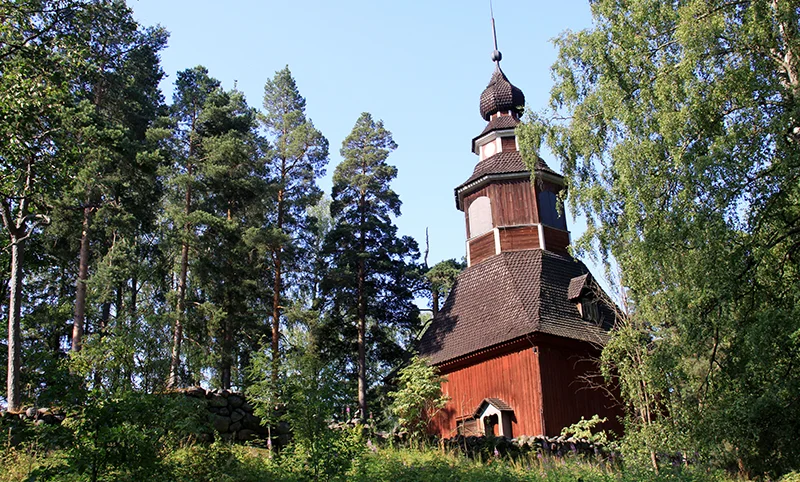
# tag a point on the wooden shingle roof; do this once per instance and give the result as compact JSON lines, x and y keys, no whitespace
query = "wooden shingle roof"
{"x":506,"y":297}
{"x":496,"y":402}
{"x":576,"y":286}
{"x":499,"y":123}
{"x":501,"y":96}
{"x":506,"y":162}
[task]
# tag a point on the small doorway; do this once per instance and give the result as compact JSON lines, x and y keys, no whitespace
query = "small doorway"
{"x":490,"y":425}
{"x":495,"y":418}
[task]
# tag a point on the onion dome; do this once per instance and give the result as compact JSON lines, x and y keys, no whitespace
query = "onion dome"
{"x":500,"y":95}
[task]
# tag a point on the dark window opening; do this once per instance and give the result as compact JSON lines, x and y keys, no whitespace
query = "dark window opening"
{"x":589,"y":310}
{"x":549,"y":207}
{"x":490,"y":425}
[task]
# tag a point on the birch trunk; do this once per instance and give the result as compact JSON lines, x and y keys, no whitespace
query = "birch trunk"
{"x":14,"y":396}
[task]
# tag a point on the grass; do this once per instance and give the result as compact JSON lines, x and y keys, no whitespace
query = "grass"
{"x":223,"y":462}
{"x":401,"y":465}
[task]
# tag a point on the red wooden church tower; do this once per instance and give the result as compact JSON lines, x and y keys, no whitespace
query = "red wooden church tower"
{"x":522,"y":324}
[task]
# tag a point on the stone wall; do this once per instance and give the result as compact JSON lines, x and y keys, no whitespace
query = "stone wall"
{"x":229,"y":414}
{"x":474,"y":446}
{"x":36,"y":415}
{"x":233,"y":419}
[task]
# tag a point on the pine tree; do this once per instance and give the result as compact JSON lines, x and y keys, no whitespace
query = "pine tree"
{"x":235,"y":197}
{"x":439,"y":280}
{"x":84,"y":83}
{"x":299,"y":158}
{"x":192,"y":89}
{"x":370,"y":278}
{"x":118,"y":99}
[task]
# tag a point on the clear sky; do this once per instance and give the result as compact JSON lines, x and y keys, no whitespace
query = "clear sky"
{"x":420,"y":66}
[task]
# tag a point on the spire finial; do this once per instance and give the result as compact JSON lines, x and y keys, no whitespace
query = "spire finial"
{"x":496,"y":55}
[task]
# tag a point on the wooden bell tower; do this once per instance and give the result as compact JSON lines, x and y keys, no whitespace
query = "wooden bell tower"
{"x":521,"y":325}
{"x":504,"y":210}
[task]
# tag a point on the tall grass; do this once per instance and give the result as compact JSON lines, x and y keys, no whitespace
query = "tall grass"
{"x":224,"y":462}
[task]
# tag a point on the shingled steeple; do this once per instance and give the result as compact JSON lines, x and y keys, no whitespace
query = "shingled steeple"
{"x":524,"y":312}
{"x":504,"y":210}
{"x":501,"y":97}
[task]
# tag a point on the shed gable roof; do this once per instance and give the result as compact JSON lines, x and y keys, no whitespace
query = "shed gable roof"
{"x":495,"y":402}
{"x":577,"y":285}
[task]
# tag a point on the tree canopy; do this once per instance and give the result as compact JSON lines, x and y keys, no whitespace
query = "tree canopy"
{"x":677,"y":126}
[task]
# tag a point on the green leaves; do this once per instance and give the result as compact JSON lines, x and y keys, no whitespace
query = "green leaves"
{"x":418,"y":397}
{"x":672,"y":123}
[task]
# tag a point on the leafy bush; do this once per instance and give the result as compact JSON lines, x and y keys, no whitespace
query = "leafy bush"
{"x":583,"y":430}
{"x":126,"y":438}
{"x":18,"y":463}
{"x":223,"y":462}
{"x":418,"y":397}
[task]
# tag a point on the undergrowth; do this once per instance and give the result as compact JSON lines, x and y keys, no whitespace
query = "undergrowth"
{"x":223,"y":462}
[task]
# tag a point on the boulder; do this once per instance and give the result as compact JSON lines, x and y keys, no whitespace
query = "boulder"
{"x":217,"y":401}
{"x":237,"y":415}
{"x":235,"y":401}
{"x":247,"y":407}
{"x":251,"y":421}
{"x":196,"y":392}
{"x":31,"y":412}
{"x":224,"y":411}
{"x":245,"y":435}
{"x":221,"y":424}
{"x":235,"y":427}
{"x":283,"y":428}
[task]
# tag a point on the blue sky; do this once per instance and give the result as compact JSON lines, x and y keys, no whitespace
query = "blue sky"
{"x":419,"y":66}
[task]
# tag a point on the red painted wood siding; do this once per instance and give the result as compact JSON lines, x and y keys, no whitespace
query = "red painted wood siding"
{"x":512,"y":377}
{"x":567,"y":395}
{"x":519,"y":237}
{"x":513,"y":203}
{"x":481,"y":248}
{"x":556,"y":240}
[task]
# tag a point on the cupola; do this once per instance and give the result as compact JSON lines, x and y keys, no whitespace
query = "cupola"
{"x":501,"y":96}
{"x":504,"y":210}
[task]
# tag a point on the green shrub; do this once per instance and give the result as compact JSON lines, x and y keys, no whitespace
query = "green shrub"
{"x":418,"y":397}
{"x":126,"y":438}
{"x":19,"y":463}
{"x":582,"y":430}
{"x":223,"y":462}
{"x":328,"y":457}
